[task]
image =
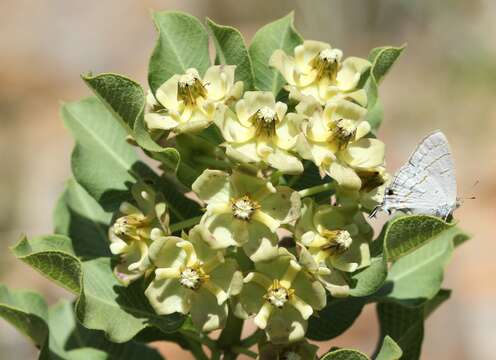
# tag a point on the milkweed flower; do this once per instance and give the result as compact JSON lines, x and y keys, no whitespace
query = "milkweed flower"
{"x":333,"y":138}
{"x":186,"y":103}
{"x":317,"y":70}
{"x":333,"y":242}
{"x":244,"y":210}
{"x":132,"y":233}
{"x":282,"y":297}
{"x":260,"y":131}
{"x":191,"y":278}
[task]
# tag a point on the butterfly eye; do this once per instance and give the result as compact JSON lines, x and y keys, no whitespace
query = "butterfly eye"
{"x":390,"y":192}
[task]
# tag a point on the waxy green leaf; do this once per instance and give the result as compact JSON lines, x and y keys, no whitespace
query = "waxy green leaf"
{"x":389,"y":350}
{"x":57,"y":333}
{"x":106,"y":165}
{"x":408,"y":233}
{"x":182,"y":43}
{"x":103,"y":303}
{"x":279,"y":34}
{"x":382,"y":60}
{"x":231,"y":50}
{"x":335,"y":318}
{"x":345,"y":354}
{"x":405,"y":325}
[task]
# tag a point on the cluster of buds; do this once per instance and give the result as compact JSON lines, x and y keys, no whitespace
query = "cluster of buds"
{"x":248,"y":211}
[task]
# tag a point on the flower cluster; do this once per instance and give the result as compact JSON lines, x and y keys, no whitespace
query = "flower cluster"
{"x":259,"y":250}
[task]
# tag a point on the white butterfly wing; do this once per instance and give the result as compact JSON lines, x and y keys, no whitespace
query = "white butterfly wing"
{"x":427,"y":183}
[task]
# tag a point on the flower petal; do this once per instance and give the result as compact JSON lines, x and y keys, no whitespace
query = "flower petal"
{"x":232,"y":130}
{"x":364,"y":153}
{"x":286,"y":325}
{"x":168,"y":296}
{"x":261,"y":244}
{"x":213,"y":187}
{"x":207,"y":315}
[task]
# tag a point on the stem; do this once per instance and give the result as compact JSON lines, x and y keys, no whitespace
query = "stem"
{"x":230,"y":337}
{"x":316,"y":189}
{"x":185,"y":224}
{"x":253,"y":338}
{"x":242,"y":350}
{"x":201,"y":339}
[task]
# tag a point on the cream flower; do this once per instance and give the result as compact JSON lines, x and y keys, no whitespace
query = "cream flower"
{"x":244,"y":210}
{"x":260,"y":131}
{"x":190,"y":277}
{"x":370,"y":194}
{"x":317,"y":70}
{"x":282,"y":297}
{"x":187,"y":103}
{"x":333,"y":138}
{"x":132,"y":233}
{"x":333,"y":241}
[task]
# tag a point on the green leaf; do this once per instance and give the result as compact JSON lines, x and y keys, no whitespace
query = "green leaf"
{"x":335,"y":318}
{"x":26,"y":311}
{"x":423,"y":267}
{"x":374,"y":116}
{"x":345,"y":354}
{"x":103,"y":303}
{"x":106,"y":165}
{"x":367,"y":281}
{"x":389,"y":350}
{"x":80,"y":217}
{"x":382,"y":60}
{"x":123,"y":97}
{"x":405,"y":325}
{"x":125,"y":100}
{"x":70,"y":340}
{"x":408,"y":233}
{"x":182,"y":43}
{"x":102,"y":161}
{"x":279,"y":34}
{"x":231,"y":50}
{"x":58,"y":334}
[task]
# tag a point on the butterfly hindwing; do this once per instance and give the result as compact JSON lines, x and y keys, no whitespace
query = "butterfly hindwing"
{"x":426,"y":184}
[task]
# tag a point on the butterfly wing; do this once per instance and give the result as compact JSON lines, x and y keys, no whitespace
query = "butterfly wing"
{"x":427,"y":183}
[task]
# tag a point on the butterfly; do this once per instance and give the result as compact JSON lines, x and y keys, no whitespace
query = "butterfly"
{"x":426,"y":184}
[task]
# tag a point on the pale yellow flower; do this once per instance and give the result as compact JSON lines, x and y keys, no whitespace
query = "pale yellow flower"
{"x":319,"y":71}
{"x":333,"y":138}
{"x":187,"y":103}
{"x":333,"y":241}
{"x":282,"y":297}
{"x":190,"y":277}
{"x":245,"y":211}
{"x":134,"y":230}
{"x":260,"y":131}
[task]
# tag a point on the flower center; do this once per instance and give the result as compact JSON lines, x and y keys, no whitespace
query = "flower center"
{"x":265,"y":120}
{"x":244,"y":207}
{"x":291,"y":355}
{"x":327,"y":63}
{"x":190,"y":88}
{"x":278,"y":295}
{"x":130,"y":226}
{"x":344,"y":131}
{"x":370,"y":180}
{"x":193,"y":277}
{"x":338,"y":241}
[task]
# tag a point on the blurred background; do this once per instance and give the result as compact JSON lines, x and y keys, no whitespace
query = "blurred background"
{"x":445,"y":79}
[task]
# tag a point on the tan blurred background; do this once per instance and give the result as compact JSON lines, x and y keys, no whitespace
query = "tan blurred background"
{"x":446,"y":79}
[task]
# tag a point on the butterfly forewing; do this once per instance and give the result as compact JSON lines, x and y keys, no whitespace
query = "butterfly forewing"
{"x":427,"y":183}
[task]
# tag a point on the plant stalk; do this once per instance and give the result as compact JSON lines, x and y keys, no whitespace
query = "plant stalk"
{"x":185,"y":224}
{"x":316,"y":189}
